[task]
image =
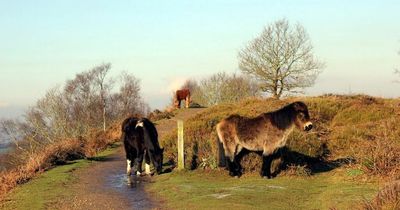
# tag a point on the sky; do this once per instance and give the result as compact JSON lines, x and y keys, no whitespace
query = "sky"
{"x":43,"y":43}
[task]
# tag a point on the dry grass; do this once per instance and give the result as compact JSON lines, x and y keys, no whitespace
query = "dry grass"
{"x":51,"y":155}
{"x":388,"y":198}
{"x":28,"y":164}
{"x":97,"y":141}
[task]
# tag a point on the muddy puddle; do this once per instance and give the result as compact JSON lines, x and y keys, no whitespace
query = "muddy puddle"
{"x":132,"y":188}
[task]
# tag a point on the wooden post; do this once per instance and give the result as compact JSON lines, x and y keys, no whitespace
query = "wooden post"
{"x":181,"y":160}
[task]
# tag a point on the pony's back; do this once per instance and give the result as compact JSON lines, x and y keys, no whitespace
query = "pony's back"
{"x":152,"y":131}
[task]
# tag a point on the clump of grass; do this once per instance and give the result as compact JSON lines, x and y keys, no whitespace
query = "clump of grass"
{"x":387,"y":198}
{"x":298,"y":170}
{"x":381,"y":155}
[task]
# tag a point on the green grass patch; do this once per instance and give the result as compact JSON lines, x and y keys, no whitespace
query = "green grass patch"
{"x":40,"y":192}
{"x":215,"y":190}
{"x":44,"y":190}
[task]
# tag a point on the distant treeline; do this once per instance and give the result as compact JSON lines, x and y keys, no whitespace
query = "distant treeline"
{"x":86,"y":104}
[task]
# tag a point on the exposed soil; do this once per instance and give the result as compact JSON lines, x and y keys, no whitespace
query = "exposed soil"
{"x":104,"y":185}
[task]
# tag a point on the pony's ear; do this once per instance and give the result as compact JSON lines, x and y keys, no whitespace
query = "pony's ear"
{"x":297,"y":106}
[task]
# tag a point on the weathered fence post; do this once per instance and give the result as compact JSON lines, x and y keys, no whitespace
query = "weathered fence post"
{"x":181,"y":160}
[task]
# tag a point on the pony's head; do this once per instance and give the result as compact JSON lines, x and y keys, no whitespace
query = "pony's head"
{"x":158,"y":160}
{"x":302,"y":117}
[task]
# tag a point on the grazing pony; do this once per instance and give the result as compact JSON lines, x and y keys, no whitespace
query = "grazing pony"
{"x":180,"y":95}
{"x":267,"y":133}
{"x":140,"y":139}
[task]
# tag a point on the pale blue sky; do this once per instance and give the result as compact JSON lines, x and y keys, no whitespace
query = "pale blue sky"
{"x":44,"y":43}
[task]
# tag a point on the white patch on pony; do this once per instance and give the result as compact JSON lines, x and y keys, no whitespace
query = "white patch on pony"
{"x":138,"y":173}
{"x":285,"y":136}
{"x":147,"y":168}
{"x":139,"y":124}
{"x":307,"y":124}
{"x":128,"y":167}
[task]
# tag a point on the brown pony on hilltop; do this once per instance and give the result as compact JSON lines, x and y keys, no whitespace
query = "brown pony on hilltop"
{"x":180,"y":95}
{"x":267,"y":133}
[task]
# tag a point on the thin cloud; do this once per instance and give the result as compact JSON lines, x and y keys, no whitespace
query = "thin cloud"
{"x":3,"y":104}
{"x":174,"y":84}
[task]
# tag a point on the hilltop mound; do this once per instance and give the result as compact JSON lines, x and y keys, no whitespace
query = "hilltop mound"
{"x":358,"y":129}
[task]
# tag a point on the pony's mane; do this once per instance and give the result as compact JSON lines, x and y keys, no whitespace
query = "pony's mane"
{"x":283,"y":117}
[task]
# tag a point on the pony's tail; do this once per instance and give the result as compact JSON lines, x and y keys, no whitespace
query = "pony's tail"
{"x":221,"y":153}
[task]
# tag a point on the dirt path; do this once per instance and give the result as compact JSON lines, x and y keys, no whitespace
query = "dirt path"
{"x":104,"y":185}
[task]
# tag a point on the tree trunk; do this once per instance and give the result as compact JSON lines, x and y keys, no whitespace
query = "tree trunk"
{"x":276,"y":96}
{"x":104,"y":115}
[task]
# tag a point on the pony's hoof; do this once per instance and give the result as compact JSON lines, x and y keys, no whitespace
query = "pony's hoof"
{"x":232,"y":174}
{"x":266,"y":177}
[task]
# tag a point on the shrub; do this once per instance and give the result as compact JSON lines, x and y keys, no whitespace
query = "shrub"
{"x":157,"y":115}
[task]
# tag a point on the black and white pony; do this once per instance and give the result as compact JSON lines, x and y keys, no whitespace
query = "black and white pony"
{"x":140,"y":139}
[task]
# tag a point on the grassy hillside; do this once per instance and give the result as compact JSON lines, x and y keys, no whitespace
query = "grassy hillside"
{"x":358,"y":136}
{"x":357,"y":130}
{"x":213,"y":190}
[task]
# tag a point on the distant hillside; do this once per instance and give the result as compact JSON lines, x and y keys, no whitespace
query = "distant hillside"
{"x":12,"y":111}
{"x":359,"y":129}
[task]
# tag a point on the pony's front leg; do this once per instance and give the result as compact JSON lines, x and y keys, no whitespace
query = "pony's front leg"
{"x":139,"y":161}
{"x":147,"y":163}
{"x":234,"y":167}
{"x":231,"y":167}
{"x":237,"y":166}
{"x":266,"y":167}
{"x":128,"y":166}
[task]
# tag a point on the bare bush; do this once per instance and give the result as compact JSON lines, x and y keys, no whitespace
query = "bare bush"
{"x":223,"y":88}
{"x":128,"y":101}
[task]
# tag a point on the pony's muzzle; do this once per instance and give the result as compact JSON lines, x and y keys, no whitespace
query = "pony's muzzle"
{"x":308,"y":126}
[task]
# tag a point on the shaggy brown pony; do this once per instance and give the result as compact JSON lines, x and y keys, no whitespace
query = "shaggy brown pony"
{"x":180,"y":95}
{"x":267,"y":133}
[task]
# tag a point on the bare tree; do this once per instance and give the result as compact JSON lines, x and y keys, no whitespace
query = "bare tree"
{"x":128,"y":100}
{"x":209,"y":92}
{"x":99,"y":74}
{"x":82,"y":102}
{"x":397,"y":72}
{"x":281,"y":58}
